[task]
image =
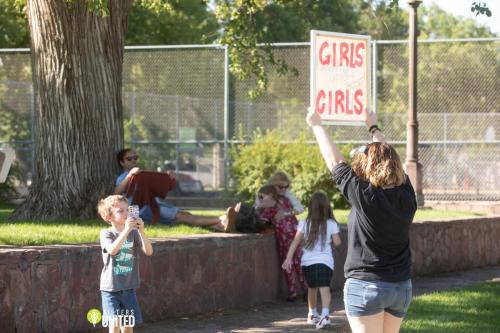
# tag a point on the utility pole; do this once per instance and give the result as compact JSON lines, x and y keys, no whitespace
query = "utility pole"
{"x":413,"y":167}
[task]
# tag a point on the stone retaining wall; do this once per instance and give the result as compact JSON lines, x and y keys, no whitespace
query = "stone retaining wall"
{"x":455,"y":244}
{"x":50,"y":289}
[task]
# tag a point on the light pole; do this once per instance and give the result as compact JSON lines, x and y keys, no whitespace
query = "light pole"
{"x":413,"y":167}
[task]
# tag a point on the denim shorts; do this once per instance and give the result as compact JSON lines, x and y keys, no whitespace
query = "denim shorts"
{"x":124,"y":303}
{"x":364,"y":298}
{"x":167,"y":212}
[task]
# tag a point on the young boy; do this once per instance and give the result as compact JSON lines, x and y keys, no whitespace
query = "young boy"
{"x":120,"y":275}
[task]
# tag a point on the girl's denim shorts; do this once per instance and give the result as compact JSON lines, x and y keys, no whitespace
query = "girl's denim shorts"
{"x":365,"y":298}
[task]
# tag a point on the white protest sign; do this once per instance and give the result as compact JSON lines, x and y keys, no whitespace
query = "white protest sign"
{"x":340,"y":77}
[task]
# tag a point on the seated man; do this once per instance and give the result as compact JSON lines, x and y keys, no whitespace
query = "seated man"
{"x":127,"y":159}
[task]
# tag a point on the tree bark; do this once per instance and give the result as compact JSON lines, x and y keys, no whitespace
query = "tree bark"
{"x":77,"y":59}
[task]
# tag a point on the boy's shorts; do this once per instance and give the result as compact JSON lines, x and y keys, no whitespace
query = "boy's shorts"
{"x":365,"y":298}
{"x":116,"y":303}
{"x":167,"y":212}
{"x":317,"y":275}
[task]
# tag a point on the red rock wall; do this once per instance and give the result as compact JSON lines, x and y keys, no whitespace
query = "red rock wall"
{"x":453,"y":245}
{"x":50,"y":289}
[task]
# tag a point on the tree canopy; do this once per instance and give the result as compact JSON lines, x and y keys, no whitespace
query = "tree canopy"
{"x":186,"y":22}
{"x":13,"y":26}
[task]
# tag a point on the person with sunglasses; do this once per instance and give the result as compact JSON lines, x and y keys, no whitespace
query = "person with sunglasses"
{"x":282,"y":183}
{"x":282,"y":217}
{"x":169,"y":214}
{"x":378,"y":290}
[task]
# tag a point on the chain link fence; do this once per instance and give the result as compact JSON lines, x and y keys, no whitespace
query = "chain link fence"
{"x":458,"y":113}
{"x":182,"y":109}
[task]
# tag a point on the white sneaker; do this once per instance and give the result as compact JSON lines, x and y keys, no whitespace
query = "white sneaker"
{"x":323,"y":322}
{"x":312,"y":319}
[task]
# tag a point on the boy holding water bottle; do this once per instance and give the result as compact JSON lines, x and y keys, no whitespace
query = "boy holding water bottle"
{"x":121,"y":245}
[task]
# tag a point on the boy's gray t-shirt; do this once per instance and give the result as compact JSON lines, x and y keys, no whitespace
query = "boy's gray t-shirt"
{"x":121,"y":271}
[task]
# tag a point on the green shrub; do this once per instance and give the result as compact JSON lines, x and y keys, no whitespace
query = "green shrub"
{"x":254,"y":163}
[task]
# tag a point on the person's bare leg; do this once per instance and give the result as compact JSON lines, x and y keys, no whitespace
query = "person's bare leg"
{"x":114,"y":326}
{"x":127,"y":329}
{"x":312,"y":298}
{"x":326,"y":297}
{"x":392,"y":324}
{"x":367,"y":324}
{"x":198,"y":220}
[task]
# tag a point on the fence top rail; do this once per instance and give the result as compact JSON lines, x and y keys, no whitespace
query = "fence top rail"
{"x":438,"y":40}
{"x":288,"y":44}
{"x":179,"y":46}
{"x":20,"y":50}
{"x":247,"y":141}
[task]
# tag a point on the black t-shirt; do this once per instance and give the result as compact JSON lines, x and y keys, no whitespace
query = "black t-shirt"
{"x":378,"y":246}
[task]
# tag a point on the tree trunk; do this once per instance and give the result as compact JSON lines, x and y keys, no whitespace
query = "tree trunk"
{"x":77,"y":59}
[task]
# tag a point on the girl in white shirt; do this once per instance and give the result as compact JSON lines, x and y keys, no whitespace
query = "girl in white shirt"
{"x":317,"y":233}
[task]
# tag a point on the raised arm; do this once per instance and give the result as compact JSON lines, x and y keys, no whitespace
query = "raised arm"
{"x":147,"y":248}
{"x":329,"y":150}
{"x":371,"y":123}
{"x":114,"y":247}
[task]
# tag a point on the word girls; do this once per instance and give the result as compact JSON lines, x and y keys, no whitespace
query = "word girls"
{"x":347,"y":55}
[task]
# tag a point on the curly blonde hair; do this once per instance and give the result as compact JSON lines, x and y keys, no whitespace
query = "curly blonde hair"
{"x":104,"y":206}
{"x":380,"y":165}
{"x":279,"y":177}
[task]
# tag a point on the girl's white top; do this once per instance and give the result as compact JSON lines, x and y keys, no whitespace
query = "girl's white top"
{"x":319,"y":254}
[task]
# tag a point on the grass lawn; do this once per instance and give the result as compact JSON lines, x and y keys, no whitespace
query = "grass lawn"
{"x":469,"y":310}
{"x":20,"y":233}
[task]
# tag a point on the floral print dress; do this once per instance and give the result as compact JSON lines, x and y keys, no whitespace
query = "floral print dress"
{"x":285,"y":230}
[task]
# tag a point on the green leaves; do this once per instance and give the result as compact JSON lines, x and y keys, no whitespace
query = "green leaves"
{"x":100,"y":7}
{"x":254,"y":163}
{"x":480,"y":8}
{"x":13,"y":25}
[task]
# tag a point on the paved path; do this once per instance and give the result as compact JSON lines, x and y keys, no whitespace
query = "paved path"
{"x":290,"y":317}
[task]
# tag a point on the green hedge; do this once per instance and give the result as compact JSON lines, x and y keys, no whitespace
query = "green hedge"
{"x":254,"y":163}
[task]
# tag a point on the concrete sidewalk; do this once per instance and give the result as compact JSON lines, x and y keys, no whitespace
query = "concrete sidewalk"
{"x":290,"y":317}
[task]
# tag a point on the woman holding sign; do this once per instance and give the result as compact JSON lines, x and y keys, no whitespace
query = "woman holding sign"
{"x":378,"y":289}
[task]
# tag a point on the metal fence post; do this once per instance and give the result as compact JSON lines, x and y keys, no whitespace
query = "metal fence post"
{"x":226,"y":116}
{"x":132,"y":115}
{"x":177,"y":125}
{"x":33,"y":127}
{"x":374,"y":76}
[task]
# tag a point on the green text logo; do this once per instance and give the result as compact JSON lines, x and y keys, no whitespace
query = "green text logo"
{"x":94,"y":316}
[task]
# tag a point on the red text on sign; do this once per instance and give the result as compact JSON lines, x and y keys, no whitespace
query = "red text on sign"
{"x":339,"y":102}
{"x":341,"y":54}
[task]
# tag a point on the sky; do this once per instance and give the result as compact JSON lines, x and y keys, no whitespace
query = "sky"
{"x":462,"y":8}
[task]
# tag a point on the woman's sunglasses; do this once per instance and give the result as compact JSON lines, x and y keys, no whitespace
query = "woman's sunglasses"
{"x":359,"y":150}
{"x":283,"y":187}
{"x":132,"y":158}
